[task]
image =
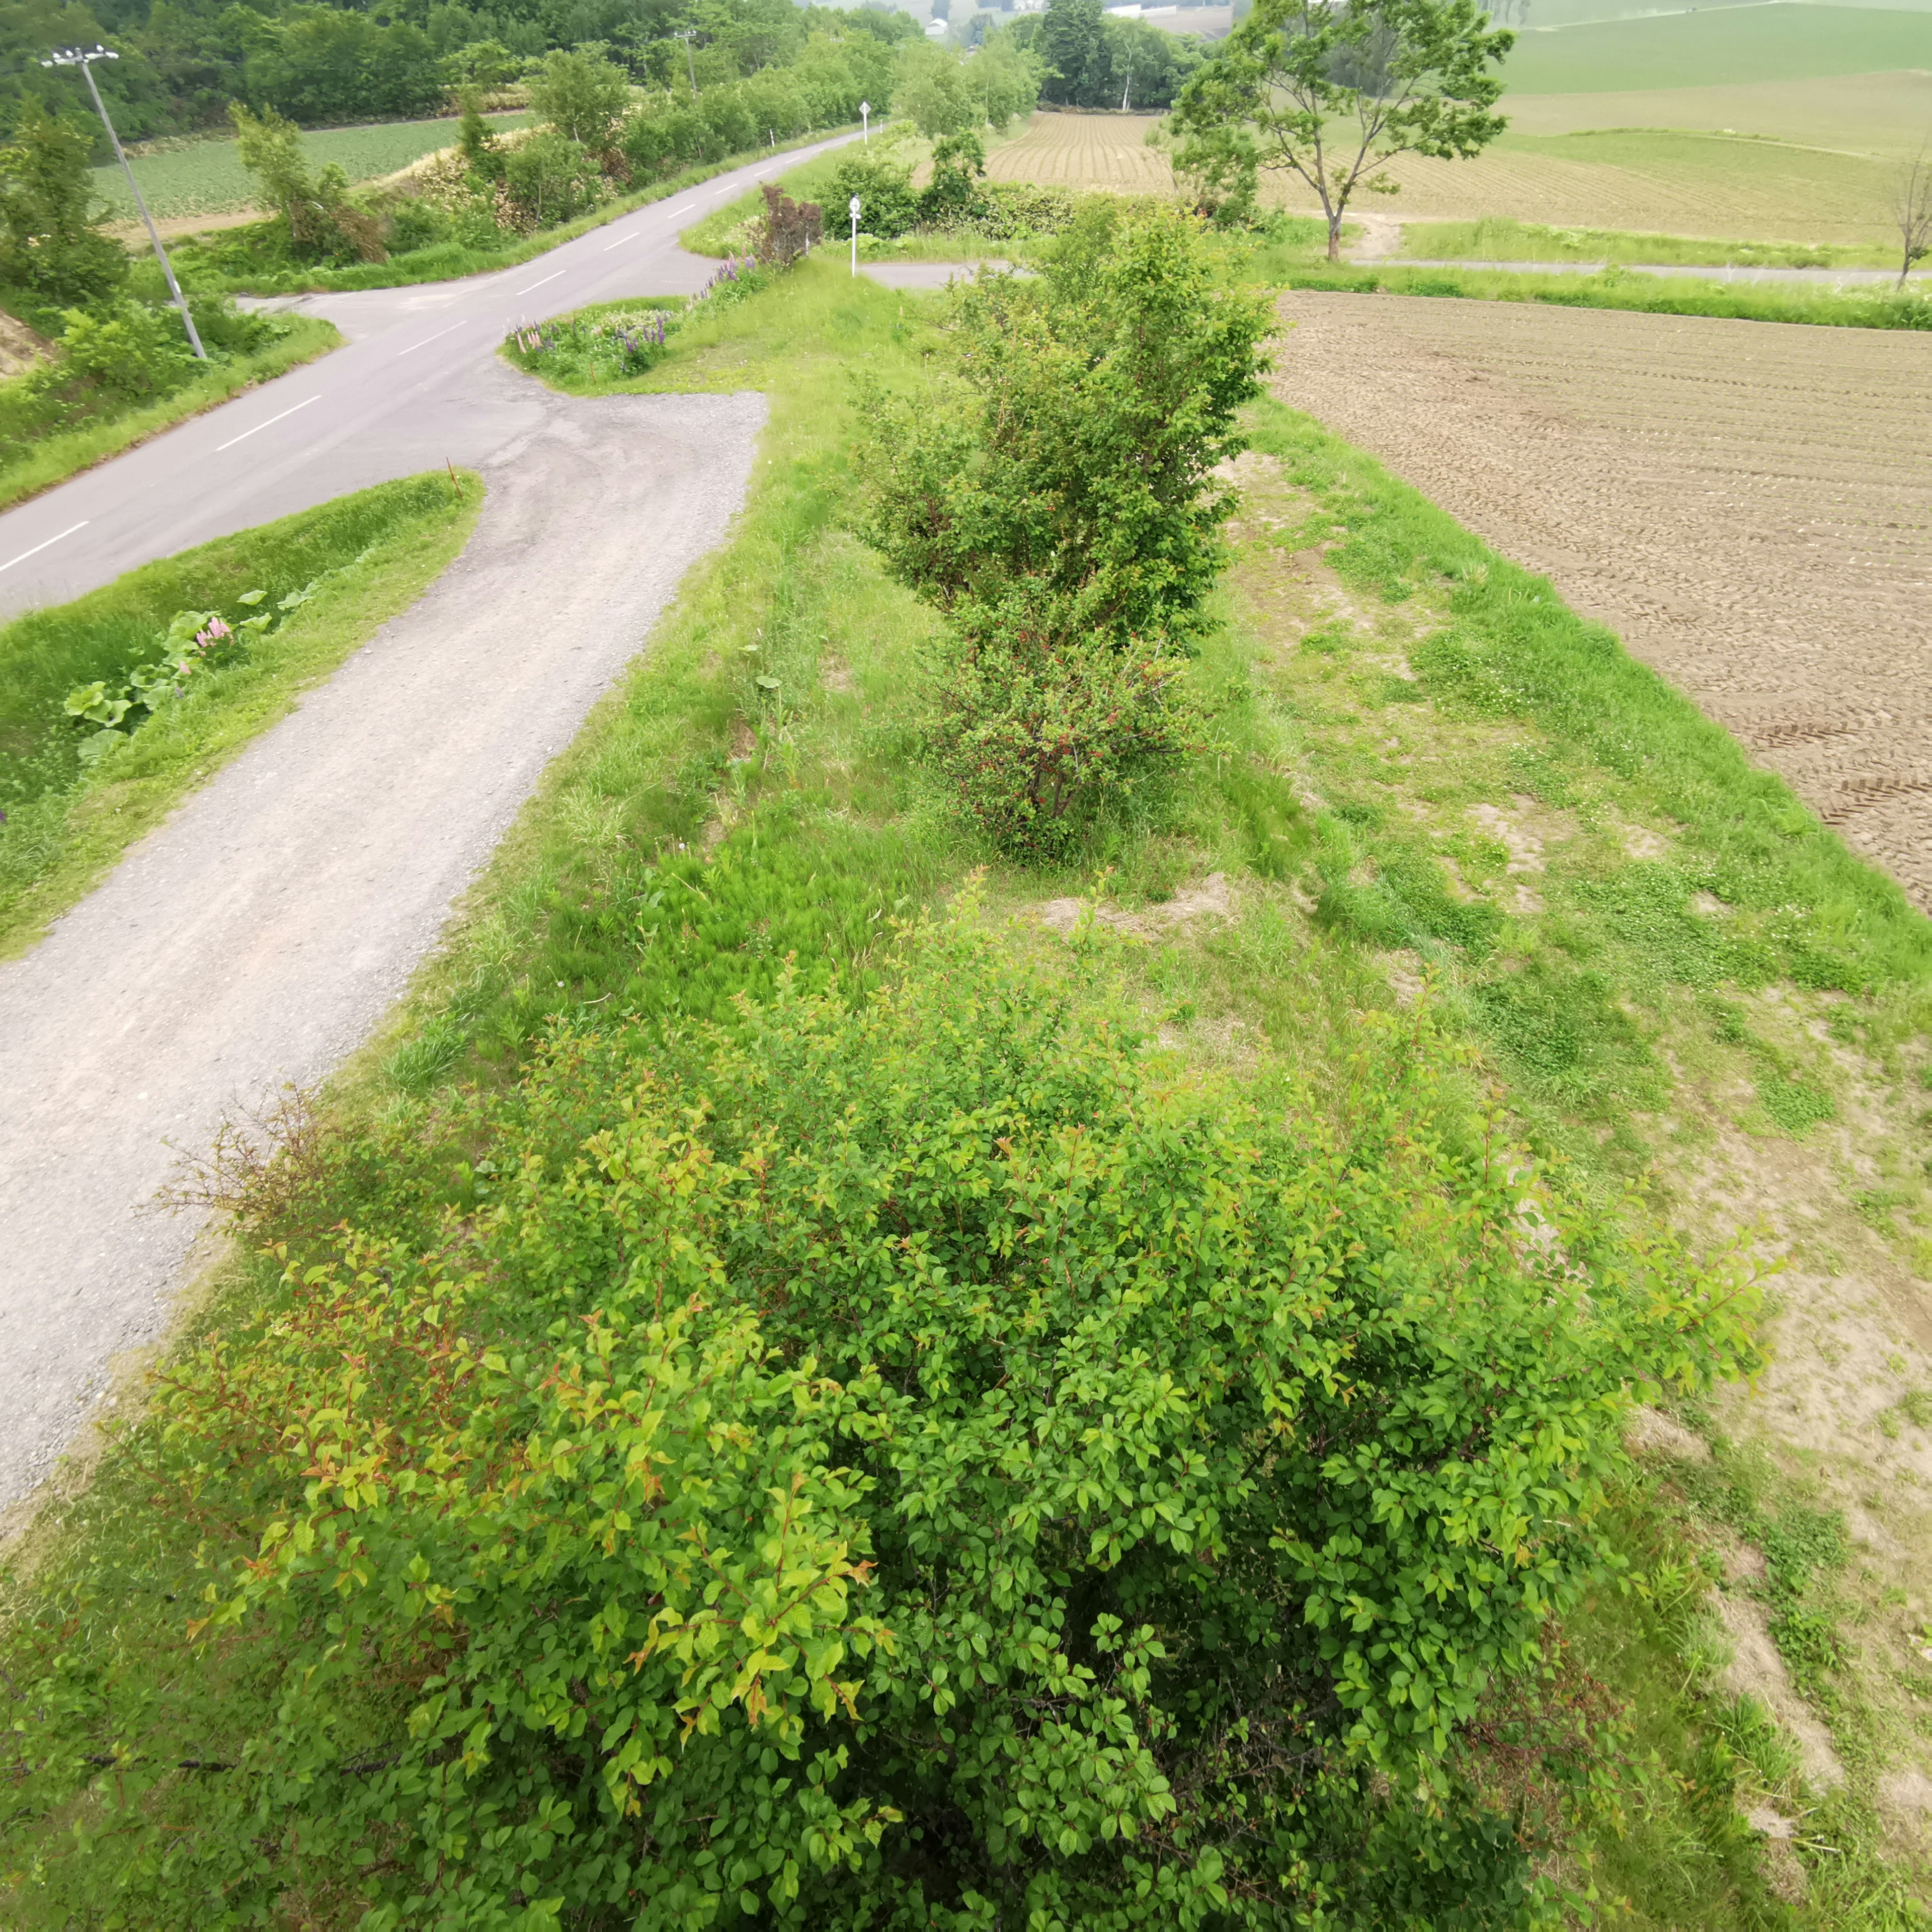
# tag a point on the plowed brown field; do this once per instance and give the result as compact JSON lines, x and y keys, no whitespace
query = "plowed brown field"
{"x":1748,"y":505}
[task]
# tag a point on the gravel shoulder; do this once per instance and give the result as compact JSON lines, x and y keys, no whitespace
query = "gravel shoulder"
{"x":259,"y":935}
{"x":1747,"y":504}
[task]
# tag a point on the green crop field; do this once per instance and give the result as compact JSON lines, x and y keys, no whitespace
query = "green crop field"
{"x":1884,"y":114}
{"x":197,"y":177}
{"x":1725,"y":46}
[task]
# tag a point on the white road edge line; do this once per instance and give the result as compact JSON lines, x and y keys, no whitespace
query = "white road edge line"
{"x":39,"y":547}
{"x":427,"y":340}
{"x":248,"y":433}
{"x":536,"y":285}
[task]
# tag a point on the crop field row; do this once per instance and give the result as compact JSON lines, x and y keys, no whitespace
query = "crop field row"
{"x":1672,"y":183}
{"x":207,"y":177}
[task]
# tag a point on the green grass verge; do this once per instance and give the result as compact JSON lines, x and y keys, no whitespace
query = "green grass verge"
{"x":1496,"y":238}
{"x":371,"y":554}
{"x":184,"y":179}
{"x":60,"y":457}
{"x":1619,"y":288}
{"x":448,"y":261}
{"x":753,"y":789}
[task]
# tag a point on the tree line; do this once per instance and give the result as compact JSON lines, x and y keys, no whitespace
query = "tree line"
{"x":181,"y":64}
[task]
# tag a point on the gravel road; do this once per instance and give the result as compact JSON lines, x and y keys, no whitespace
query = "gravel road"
{"x":259,"y":935}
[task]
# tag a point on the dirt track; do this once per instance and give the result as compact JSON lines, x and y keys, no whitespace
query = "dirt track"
{"x":1748,"y":505}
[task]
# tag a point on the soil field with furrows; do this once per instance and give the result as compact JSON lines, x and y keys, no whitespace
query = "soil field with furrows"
{"x":1748,"y":505}
{"x":1656,"y":180}
{"x":1107,"y":150}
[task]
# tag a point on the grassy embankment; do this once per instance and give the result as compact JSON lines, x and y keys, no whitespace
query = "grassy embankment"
{"x":1620,"y":288}
{"x":1388,"y":697}
{"x":58,"y":457}
{"x":368,"y":556}
{"x":448,"y":261}
{"x":1496,"y":238}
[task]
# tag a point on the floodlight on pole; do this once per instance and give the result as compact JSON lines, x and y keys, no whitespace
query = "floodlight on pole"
{"x":84,"y":59}
{"x":855,"y":235}
{"x":686,"y":34}
{"x":866,"y":121}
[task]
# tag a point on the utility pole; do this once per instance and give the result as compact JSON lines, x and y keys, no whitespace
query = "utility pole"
{"x":690,"y":66}
{"x":84,"y":59}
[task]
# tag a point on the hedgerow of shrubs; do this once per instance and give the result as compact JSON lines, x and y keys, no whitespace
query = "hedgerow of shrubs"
{"x":1054,"y":494}
{"x":926,"y":1463}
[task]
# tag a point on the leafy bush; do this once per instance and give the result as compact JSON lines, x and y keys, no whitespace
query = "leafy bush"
{"x":1035,"y":724}
{"x":925,"y":1464}
{"x":887,"y":205}
{"x":550,"y":178}
{"x":196,"y":641}
{"x":955,"y":194}
{"x":787,"y":230}
{"x":130,"y":353}
{"x":49,"y":248}
{"x":1076,"y":440}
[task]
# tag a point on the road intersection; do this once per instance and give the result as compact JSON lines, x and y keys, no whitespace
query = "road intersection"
{"x":408,"y":392}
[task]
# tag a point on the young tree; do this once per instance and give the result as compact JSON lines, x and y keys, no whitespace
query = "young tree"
{"x":932,"y":91}
{"x":1071,"y":462}
{"x":1911,"y":209}
{"x":480,"y":150}
{"x":1071,"y":39}
{"x":48,"y":246}
{"x":788,"y":228}
{"x":583,"y":98}
{"x":959,"y":166}
{"x":321,"y":218}
{"x":1333,"y":90}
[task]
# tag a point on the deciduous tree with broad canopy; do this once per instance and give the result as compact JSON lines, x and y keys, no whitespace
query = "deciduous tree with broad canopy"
{"x":1331,"y":91}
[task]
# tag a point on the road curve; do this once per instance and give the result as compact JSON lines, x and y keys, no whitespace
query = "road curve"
{"x":259,"y":935}
{"x":405,"y":394}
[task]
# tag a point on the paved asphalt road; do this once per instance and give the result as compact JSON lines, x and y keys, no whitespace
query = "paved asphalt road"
{"x":405,"y":394}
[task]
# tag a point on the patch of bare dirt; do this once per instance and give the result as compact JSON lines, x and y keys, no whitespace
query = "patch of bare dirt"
{"x":20,"y":348}
{"x":1747,"y":504}
{"x":1210,"y":899}
{"x":1756,"y":1670}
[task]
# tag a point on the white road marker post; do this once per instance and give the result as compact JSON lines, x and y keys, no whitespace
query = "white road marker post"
{"x":866,"y":121}
{"x":81,"y":58}
{"x":855,"y":235}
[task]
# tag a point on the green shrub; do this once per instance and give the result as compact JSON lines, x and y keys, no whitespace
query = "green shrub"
{"x":130,"y":354}
{"x":1032,"y":730}
{"x":928,"y":1464}
{"x":887,"y":205}
{"x":1074,"y":448}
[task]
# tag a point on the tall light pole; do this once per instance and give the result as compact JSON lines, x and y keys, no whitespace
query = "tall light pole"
{"x":84,"y":59}
{"x":690,"y":65}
